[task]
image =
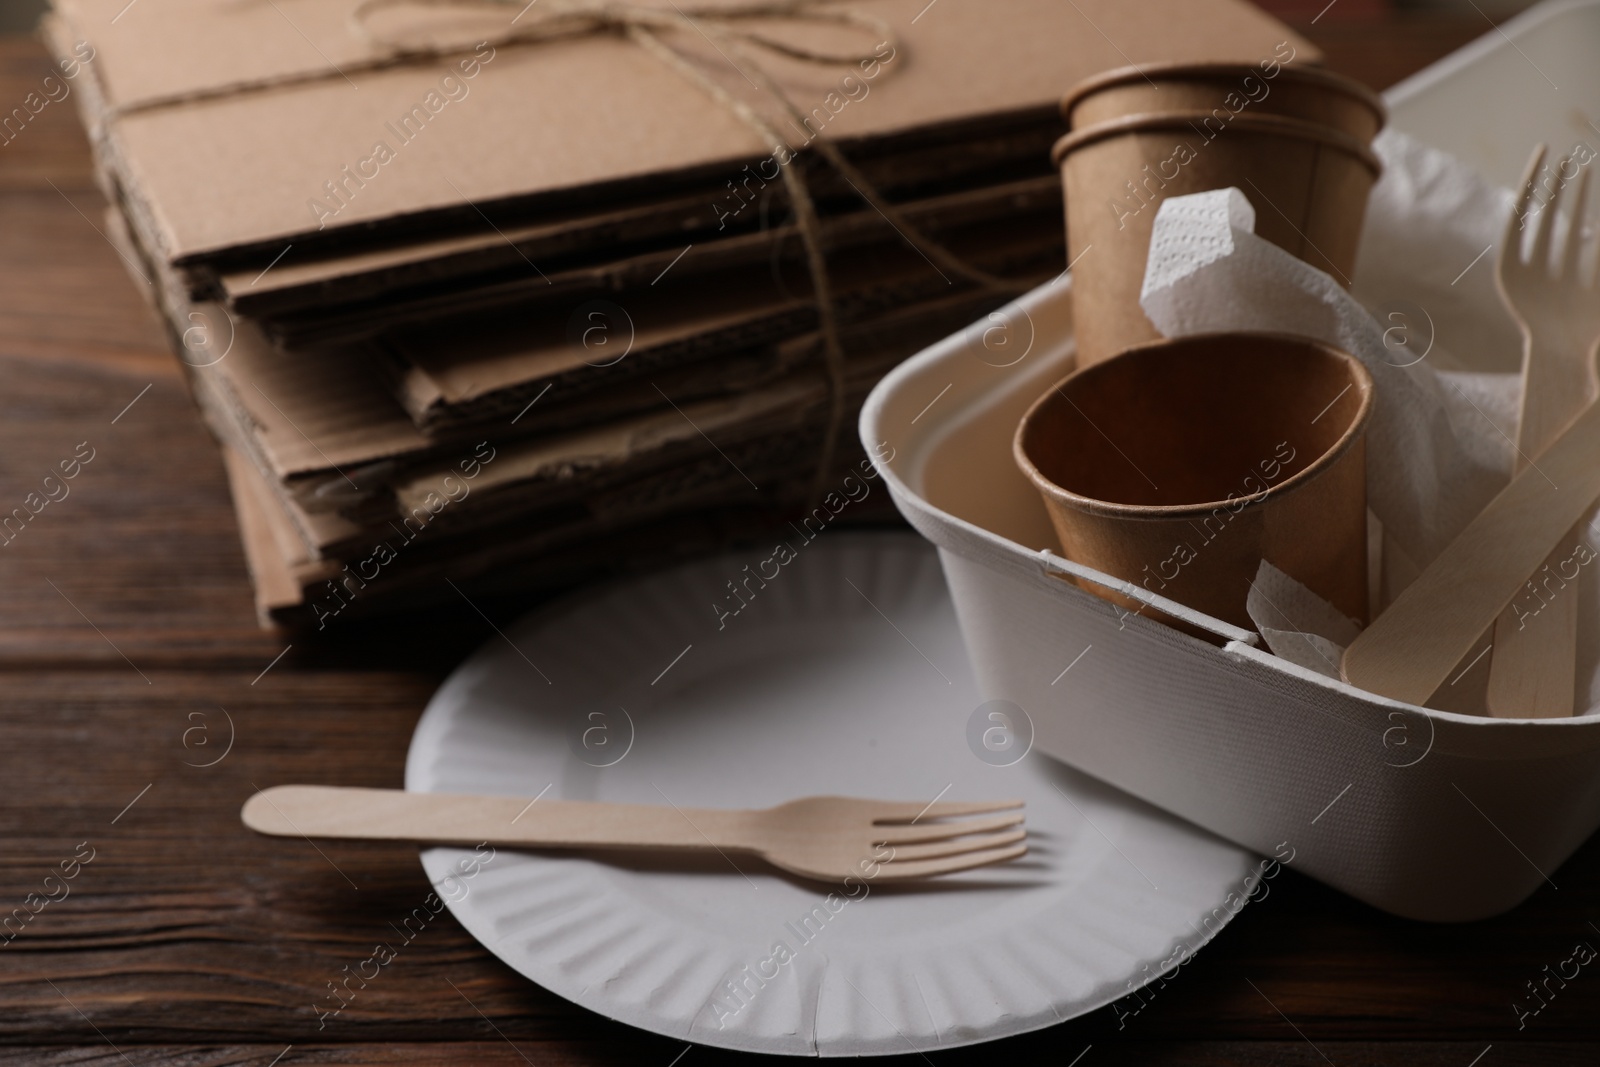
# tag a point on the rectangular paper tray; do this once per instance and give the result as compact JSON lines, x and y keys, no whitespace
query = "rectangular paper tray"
{"x":1427,"y":814}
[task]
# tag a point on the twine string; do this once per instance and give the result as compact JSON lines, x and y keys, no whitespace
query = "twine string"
{"x":728,"y":27}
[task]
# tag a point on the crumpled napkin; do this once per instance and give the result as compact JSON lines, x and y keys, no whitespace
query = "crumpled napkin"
{"x":1427,"y":322}
{"x":1208,"y":271}
{"x":1297,"y":624}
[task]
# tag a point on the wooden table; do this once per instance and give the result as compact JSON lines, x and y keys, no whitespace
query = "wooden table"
{"x":130,"y":656}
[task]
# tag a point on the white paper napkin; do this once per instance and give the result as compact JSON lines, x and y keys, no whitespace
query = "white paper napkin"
{"x":1426,"y":321}
{"x":1208,"y":271}
{"x":1297,"y":624}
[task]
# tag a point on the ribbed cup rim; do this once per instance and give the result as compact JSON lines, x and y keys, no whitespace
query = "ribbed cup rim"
{"x":1268,"y":125}
{"x":1220,"y":71}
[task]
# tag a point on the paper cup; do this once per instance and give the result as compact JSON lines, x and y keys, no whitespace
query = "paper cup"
{"x":1180,"y":465}
{"x":1225,"y":91}
{"x":1309,"y":185}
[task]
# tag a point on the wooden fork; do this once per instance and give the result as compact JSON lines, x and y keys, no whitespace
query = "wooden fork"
{"x":826,"y":838}
{"x":1410,"y":649}
{"x":1532,"y":673}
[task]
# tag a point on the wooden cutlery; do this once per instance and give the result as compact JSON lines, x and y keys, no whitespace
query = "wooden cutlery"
{"x":1532,"y":672}
{"x":1410,"y":649}
{"x":826,"y":838}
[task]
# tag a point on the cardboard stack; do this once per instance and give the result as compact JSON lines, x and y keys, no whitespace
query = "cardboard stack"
{"x":489,"y":295}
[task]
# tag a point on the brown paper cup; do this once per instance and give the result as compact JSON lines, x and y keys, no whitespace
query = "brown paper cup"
{"x":1225,"y":91}
{"x":1180,"y":465}
{"x":1309,"y":185}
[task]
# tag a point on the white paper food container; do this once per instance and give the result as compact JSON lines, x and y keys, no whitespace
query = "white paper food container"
{"x":1532,"y":80}
{"x":1427,"y":814}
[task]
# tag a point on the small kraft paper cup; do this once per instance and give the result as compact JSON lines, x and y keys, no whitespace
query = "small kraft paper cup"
{"x":1180,"y":465}
{"x":1224,"y":91}
{"x":1309,"y":184}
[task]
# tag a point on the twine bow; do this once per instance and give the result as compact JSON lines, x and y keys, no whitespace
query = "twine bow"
{"x":731,"y":28}
{"x":728,"y":28}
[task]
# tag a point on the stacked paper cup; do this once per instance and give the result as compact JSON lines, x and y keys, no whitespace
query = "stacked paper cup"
{"x":1295,"y":140}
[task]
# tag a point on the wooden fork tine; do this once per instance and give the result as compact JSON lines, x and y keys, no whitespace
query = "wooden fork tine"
{"x":889,"y":814}
{"x":1574,"y":246}
{"x":897,"y":872}
{"x":1544,"y":237}
{"x":1594,"y":279}
{"x":958,"y":846}
{"x":1511,"y":253}
{"x":941,"y":831}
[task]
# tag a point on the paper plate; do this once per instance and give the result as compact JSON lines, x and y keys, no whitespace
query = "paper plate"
{"x":833,"y":666}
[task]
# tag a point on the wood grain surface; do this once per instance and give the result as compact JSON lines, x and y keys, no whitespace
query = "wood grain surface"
{"x":126,"y":626}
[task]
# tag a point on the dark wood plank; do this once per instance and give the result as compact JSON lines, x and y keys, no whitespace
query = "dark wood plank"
{"x":52,"y":146}
{"x":1380,"y":52}
{"x":143,"y":541}
{"x":491,"y":1052}
{"x":185,"y":927}
{"x":520,"y":1053}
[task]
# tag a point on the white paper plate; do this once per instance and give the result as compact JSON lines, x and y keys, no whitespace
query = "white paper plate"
{"x":845,"y":674}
